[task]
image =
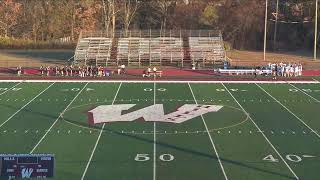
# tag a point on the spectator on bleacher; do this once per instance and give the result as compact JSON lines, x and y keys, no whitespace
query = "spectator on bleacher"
{"x":154,"y":69}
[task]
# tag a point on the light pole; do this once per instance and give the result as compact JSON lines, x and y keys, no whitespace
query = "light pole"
{"x":265,"y":32}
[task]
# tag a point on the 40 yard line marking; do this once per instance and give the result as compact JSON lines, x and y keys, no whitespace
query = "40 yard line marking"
{"x":10,"y":88}
{"x":25,"y":105}
{"x":305,"y":93}
{"x":39,"y":142}
{"x":261,"y":133}
{"x":97,"y":142}
{"x":289,"y":111}
{"x":212,"y":143}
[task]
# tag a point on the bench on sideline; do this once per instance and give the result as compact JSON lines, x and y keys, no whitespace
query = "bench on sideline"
{"x":155,"y":74}
{"x":244,"y":71}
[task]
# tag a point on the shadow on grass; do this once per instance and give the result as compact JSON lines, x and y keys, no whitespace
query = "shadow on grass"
{"x":185,"y":150}
{"x":163,"y":144}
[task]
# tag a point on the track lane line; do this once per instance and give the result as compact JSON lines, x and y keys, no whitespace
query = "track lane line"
{"x":61,"y":114}
{"x":266,"y":138}
{"x":98,"y":139}
{"x":211,"y":140}
{"x":305,"y":93}
{"x":11,"y":88}
{"x":305,"y":124}
{"x":26,"y":104}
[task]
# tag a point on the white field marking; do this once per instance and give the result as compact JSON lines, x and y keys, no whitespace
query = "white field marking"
{"x":305,"y":93}
{"x":25,"y":105}
{"x":97,"y":142}
{"x":164,"y":81}
{"x":212,"y":143}
{"x":154,"y":136}
{"x":262,"y":133}
{"x":10,"y":88}
{"x":289,"y":111}
{"x":61,"y":114}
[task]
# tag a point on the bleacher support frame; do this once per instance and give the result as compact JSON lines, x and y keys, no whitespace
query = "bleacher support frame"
{"x":151,"y":47}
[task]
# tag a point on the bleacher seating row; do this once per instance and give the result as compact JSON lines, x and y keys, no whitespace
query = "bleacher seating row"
{"x":107,"y":51}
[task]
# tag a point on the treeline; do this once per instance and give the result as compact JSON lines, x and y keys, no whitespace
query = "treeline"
{"x":241,"y":21}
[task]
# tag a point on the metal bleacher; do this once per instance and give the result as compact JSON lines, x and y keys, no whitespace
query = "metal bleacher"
{"x":149,"y":47}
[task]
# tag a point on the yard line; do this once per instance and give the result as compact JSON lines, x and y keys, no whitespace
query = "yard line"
{"x":25,"y":105}
{"x":61,"y":114}
{"x":213,"y":145}
{"x":261,"y":132}
{"x":11,"y":88}
{"x":97,"y":142}
{"x":305,"y":93}
{"x":154,"y":135}
{"x":289,"y":111}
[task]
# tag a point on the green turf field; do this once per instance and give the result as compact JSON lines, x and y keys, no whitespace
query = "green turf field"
{"x":263,"y":131}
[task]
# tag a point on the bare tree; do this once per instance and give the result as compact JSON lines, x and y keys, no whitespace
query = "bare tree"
{"x":109,"y":15}
{"x":129,"y":10}
{"x":162,"y":9}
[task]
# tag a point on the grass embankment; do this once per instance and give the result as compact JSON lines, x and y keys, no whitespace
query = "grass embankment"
{"x":12,"y":43}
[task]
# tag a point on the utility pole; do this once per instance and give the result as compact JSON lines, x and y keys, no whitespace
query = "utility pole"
{"x":265,"y":32}
{"x":315,"y":33}
{"x":276,"y":27}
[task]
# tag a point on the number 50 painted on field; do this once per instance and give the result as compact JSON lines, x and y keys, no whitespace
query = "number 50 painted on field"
{"x":162,"y":157}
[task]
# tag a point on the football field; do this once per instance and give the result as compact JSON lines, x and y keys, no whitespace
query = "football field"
{"x":253,"y":130}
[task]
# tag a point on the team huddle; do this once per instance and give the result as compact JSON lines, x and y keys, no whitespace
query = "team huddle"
{"x":285,"y":70}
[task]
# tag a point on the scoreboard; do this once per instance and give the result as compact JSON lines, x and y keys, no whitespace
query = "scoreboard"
{"x":26,"y":165}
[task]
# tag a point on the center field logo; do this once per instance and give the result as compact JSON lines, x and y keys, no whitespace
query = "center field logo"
{"x":154,"y":113}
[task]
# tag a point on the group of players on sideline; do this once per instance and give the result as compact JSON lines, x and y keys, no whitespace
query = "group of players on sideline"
{"x":285,"y":70}
{"x":87,"y":71}
{"x":276,"y":69}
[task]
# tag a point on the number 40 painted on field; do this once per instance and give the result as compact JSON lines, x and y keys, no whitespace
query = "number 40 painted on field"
{"x":290,"y":157}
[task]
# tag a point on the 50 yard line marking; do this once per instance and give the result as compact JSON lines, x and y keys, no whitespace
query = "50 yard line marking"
{"x":10,"y":88}
{"x":289,"y":111}
{"x":97,"y":142}
{"x":25,"y":105}
{"x":154,"y":135}
{"x":212,"y":143}
{"x":42,"y":138}
{"x":261,"y":132}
